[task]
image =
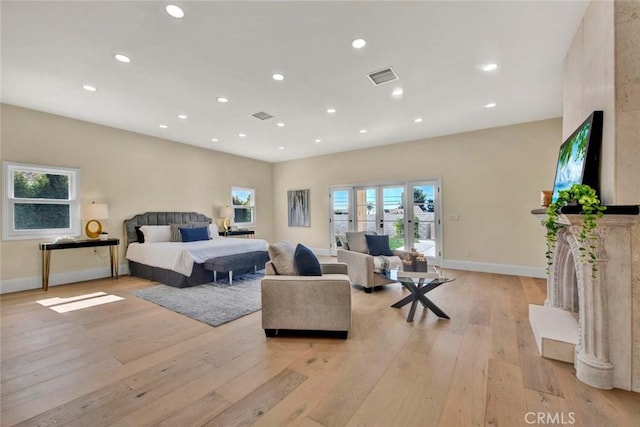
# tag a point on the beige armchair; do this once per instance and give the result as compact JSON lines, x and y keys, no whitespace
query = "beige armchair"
{"x":361,"y":265}
{"x":361,"y":269}
{"x":316,"y":303}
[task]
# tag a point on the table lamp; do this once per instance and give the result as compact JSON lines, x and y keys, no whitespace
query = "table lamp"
{"x":92,"y":213}
{"x":226,"y":213}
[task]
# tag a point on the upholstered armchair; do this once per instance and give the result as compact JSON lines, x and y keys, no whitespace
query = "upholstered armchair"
{"x":309,"y":303}
{"x":365,"y":269}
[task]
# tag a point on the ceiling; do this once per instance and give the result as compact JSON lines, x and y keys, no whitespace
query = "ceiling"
{"x":232,"y":49}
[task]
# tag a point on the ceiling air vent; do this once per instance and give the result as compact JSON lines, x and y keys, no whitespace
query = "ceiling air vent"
{"x":262,"y":115}
{"x":383,"y":76}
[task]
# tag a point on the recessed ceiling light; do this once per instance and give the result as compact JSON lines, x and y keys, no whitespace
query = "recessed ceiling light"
{"x":397,"y":92}
{"x":182,"y":116}
{"x":281,"y":125}
{"x":318,"y":140}
{"x":278,"y":77}
{"x":214,"y":139}
{"x":89,"y":88}
{"x":331,"y":110}
{"x":490,"y":67}
{"x":122,"y":58}
{"x":363,"y":131}
{"x":242,"y":135}
{"x":418,"y":120}
{"x":175,"y":11}
{"x":358,"y":43}
{"x":163,"y":126}
{"x":490,"y":105}
{"x":281,"y":148}
{"x":222,"y":99}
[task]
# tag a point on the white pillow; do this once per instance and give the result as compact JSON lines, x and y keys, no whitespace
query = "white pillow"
{"x":213,"y":231}
{"x":156,"y":233}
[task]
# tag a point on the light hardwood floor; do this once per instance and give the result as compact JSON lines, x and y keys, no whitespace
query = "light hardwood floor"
{"x":132,"y":363}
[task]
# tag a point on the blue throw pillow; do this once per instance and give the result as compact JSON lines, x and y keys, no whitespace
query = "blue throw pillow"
{"x":378,"y":245}
{"x":194,"y":234}
{"x":306,"y":262}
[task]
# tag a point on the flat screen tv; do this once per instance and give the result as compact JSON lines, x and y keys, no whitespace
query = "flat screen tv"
{"x":579,"y":158}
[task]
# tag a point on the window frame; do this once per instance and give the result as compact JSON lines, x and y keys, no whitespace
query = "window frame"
{"x":252,"y":207}
{"x":9,"y":201}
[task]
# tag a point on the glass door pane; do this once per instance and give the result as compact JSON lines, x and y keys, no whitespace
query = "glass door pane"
{"x":340,"y":216}
{"x":424,"y":221}
{"x":366,"y":209}
{"x":392,"y":221}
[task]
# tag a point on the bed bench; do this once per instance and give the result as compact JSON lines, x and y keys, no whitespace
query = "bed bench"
{"x":240,"y":263}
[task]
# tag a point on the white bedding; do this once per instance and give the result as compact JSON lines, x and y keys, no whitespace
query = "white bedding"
{"x":179,"y":256}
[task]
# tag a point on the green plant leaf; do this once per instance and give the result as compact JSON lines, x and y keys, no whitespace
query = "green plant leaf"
{"x":591,"y":209}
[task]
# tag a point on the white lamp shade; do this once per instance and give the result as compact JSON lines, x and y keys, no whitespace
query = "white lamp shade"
{"x":95,"y":211}
{"x":226,"y":212}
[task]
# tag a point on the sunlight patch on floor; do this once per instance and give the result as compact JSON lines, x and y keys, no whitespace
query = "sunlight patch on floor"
{"x":57,"y":300}
{"x":64,"y":305}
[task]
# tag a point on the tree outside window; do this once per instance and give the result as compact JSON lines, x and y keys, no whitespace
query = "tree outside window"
{"x":243,"y":203}
{"x":39,"y":201}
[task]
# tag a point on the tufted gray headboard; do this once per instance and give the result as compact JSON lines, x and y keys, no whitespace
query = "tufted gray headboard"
{"x":159,"y":218}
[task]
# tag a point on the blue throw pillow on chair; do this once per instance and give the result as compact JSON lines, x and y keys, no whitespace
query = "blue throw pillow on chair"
{"x":306,"y":262}
{"x":378,"y":245}
{"x":194,"y":234}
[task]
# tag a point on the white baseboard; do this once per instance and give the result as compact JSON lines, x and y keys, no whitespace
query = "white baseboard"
{"x":485,"y":267}
{"x":35,"y":282}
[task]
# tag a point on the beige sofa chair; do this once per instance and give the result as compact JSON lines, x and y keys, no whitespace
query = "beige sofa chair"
{"x":316,"y":303}
{"x":361,"y":265}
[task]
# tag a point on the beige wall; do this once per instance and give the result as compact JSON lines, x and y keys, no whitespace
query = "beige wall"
{"x":627,"y":81}
{"x":588,"y":85}
{"x":130,"y":172}
{"x":602,"y":70}
{"x":491,"y":180}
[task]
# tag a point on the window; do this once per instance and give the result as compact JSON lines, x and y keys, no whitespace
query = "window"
{"x":243,"y":202}
{"x":39,"y":201}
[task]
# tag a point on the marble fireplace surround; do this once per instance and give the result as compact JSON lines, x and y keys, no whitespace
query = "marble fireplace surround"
{"x":605,"y":349}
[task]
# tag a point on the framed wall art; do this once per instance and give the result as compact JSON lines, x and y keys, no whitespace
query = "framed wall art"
{"x":298,"y":208}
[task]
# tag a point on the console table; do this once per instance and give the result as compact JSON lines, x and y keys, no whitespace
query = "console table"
{"x":246,"y":233}
{"x":46,"y":249}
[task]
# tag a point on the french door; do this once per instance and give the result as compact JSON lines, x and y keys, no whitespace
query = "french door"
{"x":341,"y":217}
{"x":407,"y":212}
{"x":423,"y":230}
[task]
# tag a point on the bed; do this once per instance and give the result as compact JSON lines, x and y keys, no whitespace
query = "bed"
{"x":179,"y":264}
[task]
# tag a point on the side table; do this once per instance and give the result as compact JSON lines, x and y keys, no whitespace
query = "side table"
{"x":246,"y":233}
{"x":46,"y":249}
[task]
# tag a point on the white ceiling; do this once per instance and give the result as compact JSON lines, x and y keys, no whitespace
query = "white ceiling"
{"x":231,"y":49}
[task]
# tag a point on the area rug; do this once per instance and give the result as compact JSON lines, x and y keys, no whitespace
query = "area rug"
{"x":211,"y":303}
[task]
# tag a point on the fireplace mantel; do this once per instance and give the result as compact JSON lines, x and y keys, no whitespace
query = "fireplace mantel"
{"x":632,"y":210}
{"x":605,"y":348}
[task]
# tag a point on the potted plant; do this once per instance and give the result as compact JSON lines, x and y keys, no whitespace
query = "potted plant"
{"x":590,"y":208}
